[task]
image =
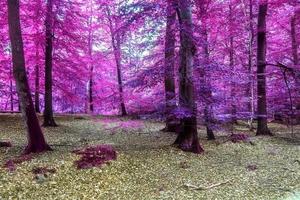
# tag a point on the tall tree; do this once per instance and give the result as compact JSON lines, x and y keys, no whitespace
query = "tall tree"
{"x":187,"y":138}
{"x":231,"y":64}
{"x":116,"y":44}
{"x":48,"y":112}
{"x":36,"y":140}
{"x":90,"y":55}
{"x":262,"y":116}
{"x":170,"y":40}
{"x":204,"y":73}
{"x":37,"y":82}
{"x":250,"y":88}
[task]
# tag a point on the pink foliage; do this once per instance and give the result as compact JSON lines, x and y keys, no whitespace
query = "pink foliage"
{"x":95,"y":156}
{"x":11,"y":164}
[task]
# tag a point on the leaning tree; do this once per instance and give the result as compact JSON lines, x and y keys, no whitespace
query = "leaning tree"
{"x":36,"y":140}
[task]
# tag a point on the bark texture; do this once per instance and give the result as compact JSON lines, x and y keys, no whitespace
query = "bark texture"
{"x":262,"y":117}
{"x":170,"y":40}
{"x":36,"y":140}
{"x":206,"y":92}
{"x":48,"y":112}
{"x":187,"y":139}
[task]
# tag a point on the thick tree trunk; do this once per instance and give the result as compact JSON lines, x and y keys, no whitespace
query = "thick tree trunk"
{"x":262,"y":116}
{"x":36,"y":140}
{"x":170,"y":95}
{"x":37,"y":82}
{"x":187,"y":139}
{"x":48,"y":112}
{"x":204,"y":75}
{"x":250,"y":88}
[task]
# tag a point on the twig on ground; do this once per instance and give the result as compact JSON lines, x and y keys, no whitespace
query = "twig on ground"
{"x":194,"y":187}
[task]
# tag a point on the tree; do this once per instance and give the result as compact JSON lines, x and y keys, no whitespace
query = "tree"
{"x":116,"y":44}
{"x":48,"y":112}
{"x":206,"y":92}
{"x":36,"y":140}
{"x":187,"y":138}
{"x":250,"y":88}
{"x":262,"y":116}
{"x":170,"y":94}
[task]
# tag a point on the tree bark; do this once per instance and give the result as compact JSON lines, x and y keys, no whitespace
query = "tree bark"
{"x":204,"y":74}
{"x":11,"y":93}
{"x":294,"y":41}
{"x":116,"y":44}
{"x":231,"y":64}
{"x":262,"y":116}
{"x":36,"y":140}
{"x":170,"y":94}
{"x":250,"y":88}
{"x":187,"y":139}
{"x":37,"y":82}
{"x":48,"y":112}
{"x":91,"y":67}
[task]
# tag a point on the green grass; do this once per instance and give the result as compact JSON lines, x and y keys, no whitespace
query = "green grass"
{"x":148,"y":167}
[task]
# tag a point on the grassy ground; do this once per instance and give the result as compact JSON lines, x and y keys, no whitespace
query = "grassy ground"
{"x":147,"y":166}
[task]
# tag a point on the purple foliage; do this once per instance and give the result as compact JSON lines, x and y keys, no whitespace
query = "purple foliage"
{"x":95,"y":156}
{"x":11,"y":163}
{"x":5,"y":144}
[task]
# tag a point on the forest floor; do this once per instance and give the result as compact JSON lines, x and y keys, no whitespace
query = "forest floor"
{"x":147,"y":167}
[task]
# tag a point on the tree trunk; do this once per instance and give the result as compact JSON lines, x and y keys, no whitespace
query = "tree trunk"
{"x":295,"y":56}
{"x":116,"y":44}
{"x":48,"y":112}
{"x":37,"y":82}
{"x":262,"y":116}
{"x":170,"y":94}
{"x":187,"y":139}
{"x":36,"y":140}
{"x":91,"y":70}
{"x":204,"y":74}
{"x":294,"y":41}
{"x":11,"y":93}
{"x":231,"y":64}
{"x":250,"y":88}
{"x":117,"y":52}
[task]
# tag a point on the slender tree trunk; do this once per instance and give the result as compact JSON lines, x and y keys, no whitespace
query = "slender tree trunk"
{"x":294,"y":41}
{"x":262,"y":116}
{"x":116,"y":44}
{"x":37,"y":82}
{"x":48,"y":112}
{"x":250,"y":88}
{"x":295,"y":58}
{"x":117,"y":52}
{"x":11,"y":92}
{"x":91,"y":71}
{"x":170,"y":95}
{"x":187,"y":139}
{"x":36,"y":140}
{"x":231,"y":64}
{"x":204,"y":74}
